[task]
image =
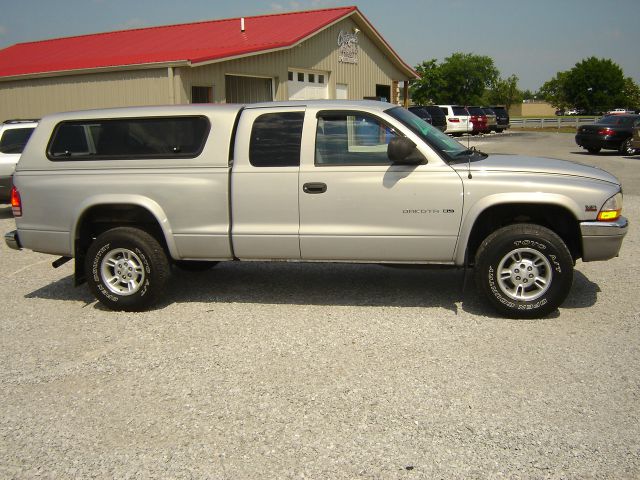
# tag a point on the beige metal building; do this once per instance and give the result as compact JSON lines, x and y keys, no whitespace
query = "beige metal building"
{"x":330,"y":53}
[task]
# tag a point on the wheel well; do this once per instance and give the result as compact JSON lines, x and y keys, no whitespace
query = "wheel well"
{"x":100,"y":218}
{"x":555,"y":218}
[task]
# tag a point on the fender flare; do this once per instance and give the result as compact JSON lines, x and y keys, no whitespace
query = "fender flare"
{"x":512,"y":198}
{"x":136,"y":200}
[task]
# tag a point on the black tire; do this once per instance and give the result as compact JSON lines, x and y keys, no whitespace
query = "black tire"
{"x":195,"y":265}
{"x":127,"y":269}
{"x":626,"y":148}
{"x":593,"y":149}
{"x":540,"y":254}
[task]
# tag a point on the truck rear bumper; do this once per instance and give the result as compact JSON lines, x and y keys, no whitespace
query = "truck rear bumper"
{"x":602,"y":240}
{"x":12,"y":240}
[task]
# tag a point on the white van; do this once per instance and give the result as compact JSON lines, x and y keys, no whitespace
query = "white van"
{"x":457,"y":119}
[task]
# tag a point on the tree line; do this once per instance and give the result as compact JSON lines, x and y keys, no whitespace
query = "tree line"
{"x":593,"y":85}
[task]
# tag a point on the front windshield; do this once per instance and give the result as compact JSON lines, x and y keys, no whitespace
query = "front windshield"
{"x":442,"y":143}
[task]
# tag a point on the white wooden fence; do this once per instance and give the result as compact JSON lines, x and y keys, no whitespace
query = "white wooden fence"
{"x":557,"y":122}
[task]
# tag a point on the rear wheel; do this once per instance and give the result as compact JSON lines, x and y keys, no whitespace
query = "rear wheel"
{"x":593,"y":149}
{"x":127,"y":269}
{"x":626,"y":148}
{"x":524,"y":270}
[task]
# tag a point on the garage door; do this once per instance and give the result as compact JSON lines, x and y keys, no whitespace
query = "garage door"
{"x":248,"y":89}
{"x":308,"y":86}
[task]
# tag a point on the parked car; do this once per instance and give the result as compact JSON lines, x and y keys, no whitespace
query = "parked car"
{"x":438,"y":117}
{"x":620,"y":111}
{"x":478,"y":119}
{"x":422,"y":112}
{"x":458,"y":121}
{"x":502,"y":116}
{"x":571,"y":111}
{"x":492,"y":119}
{"x":612,"y":132}
{"x":635,"y":140}
{"x":431,"y":114}
{"x":14,"y":135}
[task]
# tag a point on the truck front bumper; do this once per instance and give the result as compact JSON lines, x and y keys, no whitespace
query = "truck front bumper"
{"x":12,"y":240}
{"x":602,"y":240}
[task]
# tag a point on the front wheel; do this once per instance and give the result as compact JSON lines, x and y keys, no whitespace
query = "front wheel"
{"x":524,"y":270}
{"x":127,"y":269}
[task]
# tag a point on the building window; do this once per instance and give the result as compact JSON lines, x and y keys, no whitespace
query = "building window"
{"x":275,"y":140}
{"x":201,"y":94}
{"x":320,"y":78}
{"x":312,"y":78}
{"x":300,"y":77}
{"x":290,"y":76}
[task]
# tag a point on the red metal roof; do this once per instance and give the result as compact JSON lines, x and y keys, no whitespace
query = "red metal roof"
{"x":194,"y":42}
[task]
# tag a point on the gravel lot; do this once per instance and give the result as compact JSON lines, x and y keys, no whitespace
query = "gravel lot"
{"x":324,"y":371}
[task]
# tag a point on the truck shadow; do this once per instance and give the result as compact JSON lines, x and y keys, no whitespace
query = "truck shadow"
{"x":324,"y":284}
{"x":348,"y":285}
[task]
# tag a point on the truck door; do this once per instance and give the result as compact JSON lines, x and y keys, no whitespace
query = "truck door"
{"x":356,"y":205}
{"x":264,"y":184}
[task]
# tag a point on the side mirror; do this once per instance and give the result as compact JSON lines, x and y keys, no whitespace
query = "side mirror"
{"x":401,"y":150}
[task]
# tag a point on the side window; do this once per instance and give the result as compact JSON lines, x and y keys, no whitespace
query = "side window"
{"x":358,"y":139}
{"x":14,"y":140}
{"x":129,"y":138}
{"x":275,"y":140}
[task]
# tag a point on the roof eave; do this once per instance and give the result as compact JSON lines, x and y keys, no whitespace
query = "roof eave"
{"x":109,"y":69}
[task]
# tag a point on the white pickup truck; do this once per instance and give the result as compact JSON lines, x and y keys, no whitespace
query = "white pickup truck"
{"x":129,"y":192}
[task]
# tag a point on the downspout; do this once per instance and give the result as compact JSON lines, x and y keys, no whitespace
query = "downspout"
{"x":172,"y":86}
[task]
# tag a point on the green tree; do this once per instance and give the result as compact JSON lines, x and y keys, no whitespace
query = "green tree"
{"x":427,"y":89}
{"x":595,"y":84}
{"x":553,"y":91}
{"x":505,"y":92}
{"x":465,"y":77}
{"x":461,"y":78}
{"x":631,"y":94}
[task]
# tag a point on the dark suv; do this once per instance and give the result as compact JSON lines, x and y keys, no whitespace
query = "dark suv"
{"x":503,"y":118}
{"x":432,"y":114}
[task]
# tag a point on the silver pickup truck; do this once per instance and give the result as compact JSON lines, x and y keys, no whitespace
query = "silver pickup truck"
{"x":130,"y":192}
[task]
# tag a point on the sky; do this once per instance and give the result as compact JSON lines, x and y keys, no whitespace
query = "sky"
{"x":533,"y":39}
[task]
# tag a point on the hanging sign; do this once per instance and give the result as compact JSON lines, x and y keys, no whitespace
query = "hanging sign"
{"x":347,"y":47}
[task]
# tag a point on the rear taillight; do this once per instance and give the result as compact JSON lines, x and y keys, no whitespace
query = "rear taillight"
{"x":16,"y":202}
{"x":454,"y":120}
{"x":606,"y":131}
